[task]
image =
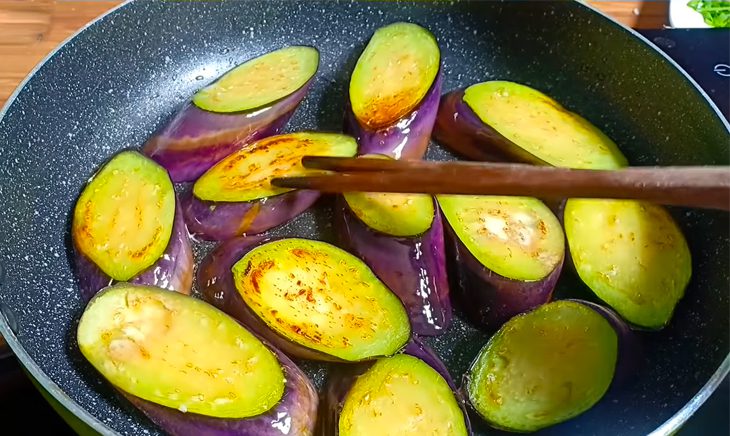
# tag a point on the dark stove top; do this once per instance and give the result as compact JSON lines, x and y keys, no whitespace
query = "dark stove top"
{"x":703,"y":53}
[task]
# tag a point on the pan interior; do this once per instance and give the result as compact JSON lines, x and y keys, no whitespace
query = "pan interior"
{"x":112,"y":85}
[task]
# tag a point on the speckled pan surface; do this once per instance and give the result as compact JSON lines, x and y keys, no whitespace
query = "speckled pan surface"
{"x":113,"y":84}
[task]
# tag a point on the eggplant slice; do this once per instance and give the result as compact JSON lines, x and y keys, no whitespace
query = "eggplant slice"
{"x":309,"y":298}
{"x":543,"y":367}
{"x":400,"y":236}
{"x":127,"y":226}
{"x":507,"y":254}
{"x":235,"y":197}
{"x":191,"y":368}
{"x":410,"y":393}
{"x":631,"y":254}
{"x":394,"y":92}
{"x":249,"y":102}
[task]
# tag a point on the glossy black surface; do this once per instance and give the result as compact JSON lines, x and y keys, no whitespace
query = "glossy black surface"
{"x":704,"y":54}
{"x":110,"y":87}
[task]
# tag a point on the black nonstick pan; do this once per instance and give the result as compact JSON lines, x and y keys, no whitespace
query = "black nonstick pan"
{"x":110,"y":86}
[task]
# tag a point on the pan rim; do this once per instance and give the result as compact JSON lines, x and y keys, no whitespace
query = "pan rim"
{"x":676,"y":421}
{"x":670,"y":426}
{"x":661,"y":53}
{"x":17,"y":348}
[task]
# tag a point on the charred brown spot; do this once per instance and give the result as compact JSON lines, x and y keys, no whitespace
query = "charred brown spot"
{"x":233,"y":161}
{"x":303,"y":254}
{"x":267,"y":265}
{"x":310,"y":296}
{"x":276,"y":141}
{"x":256,"y":276}
{"x":138,"y":215}
{"x":258,"y":273}
{"x":85,"y":227}
{"x":144,"y":250}
{"x":354,"y":322}
{"x":302,"y":331}
{"x":384,"y":111}
{"x":145,"y":354}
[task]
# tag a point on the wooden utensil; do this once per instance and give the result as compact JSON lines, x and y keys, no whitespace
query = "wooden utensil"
{"x":689,"y":186}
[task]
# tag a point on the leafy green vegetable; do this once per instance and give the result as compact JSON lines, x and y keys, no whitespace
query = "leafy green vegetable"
{"x":716,"y":13}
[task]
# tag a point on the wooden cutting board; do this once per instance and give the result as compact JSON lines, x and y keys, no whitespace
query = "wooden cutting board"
{"x":30,"y":29}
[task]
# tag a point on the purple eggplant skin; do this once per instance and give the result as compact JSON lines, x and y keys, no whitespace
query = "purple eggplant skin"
{"x":489,"y":299}
{"x":342,"y":378}
{"x":296,"y":413}
{"x":459,"y":129}
{"x":215,"y":281}
{"x":630,"y":351}
{"x":173,"y":271}
{"x":417,"y":348}
{"x":194,"y":140}
{"x":218,"y":221}
{"x":408,"y":137}
{"x":414,"y":268}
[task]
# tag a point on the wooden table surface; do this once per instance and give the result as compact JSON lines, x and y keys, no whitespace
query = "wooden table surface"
{"x":30,"y":29}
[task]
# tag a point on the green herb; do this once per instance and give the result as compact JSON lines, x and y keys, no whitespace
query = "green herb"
{"x":716,"y":13}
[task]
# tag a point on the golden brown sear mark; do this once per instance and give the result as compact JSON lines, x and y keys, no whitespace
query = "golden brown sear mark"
{"x":383,"y":112}
{"x":144,"y":250}
{"x":301,"y":253}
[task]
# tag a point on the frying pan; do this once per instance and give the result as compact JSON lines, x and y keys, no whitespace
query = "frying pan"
{"x":112,"y":84}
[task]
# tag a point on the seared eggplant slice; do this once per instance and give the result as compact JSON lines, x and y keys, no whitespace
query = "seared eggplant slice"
{"x":309,"y":298}
{"x":638,"y":262}
{"x":632,"y":254}
{"x":126,"y":227}
{"x":543,"y":367}
{"x":191,"y":368}
{"x":394,"y":92}
{"x":410,"y":393}
{"x":235,"y":197}
{"x":249,"y":102}
{"x":504,"y":120}
{"x":630,"y":352}
{"x":508,"y":253}
{"x":400,"y":236}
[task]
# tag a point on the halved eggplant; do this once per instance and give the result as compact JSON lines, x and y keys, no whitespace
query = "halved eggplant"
{"x":191,"y":368}
{"x":394,"y":92}
{"x":501,"y":120}
{"x":631,"y":357}
{"x":638,"y":263}
{"x":507,"y":254}
{"x":543,"y":367}
{"x":410,"y":393}
{"x":249,"y":102}
{"x":400,"y":236}
{"x":309,"y":298}
{"x":127,"y":226}
{"x":235,"y":196}
{"x":632,"y":254}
